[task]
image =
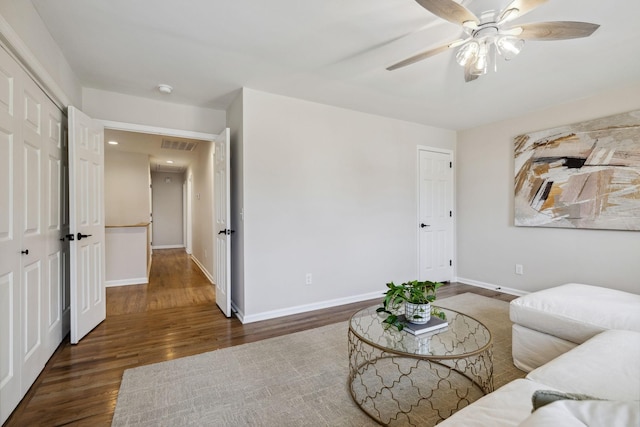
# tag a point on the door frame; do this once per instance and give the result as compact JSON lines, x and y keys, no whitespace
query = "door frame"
{"x":156,"y":130}
{"x":451,"y":153}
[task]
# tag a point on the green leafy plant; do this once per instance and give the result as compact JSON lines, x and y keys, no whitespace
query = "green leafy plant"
{"x":414,"y":292}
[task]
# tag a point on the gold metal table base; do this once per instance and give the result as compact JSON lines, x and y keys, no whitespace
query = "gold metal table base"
{"x":395,"y":388}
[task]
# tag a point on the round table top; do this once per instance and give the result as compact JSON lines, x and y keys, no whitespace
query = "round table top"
{"x":464,"y":336}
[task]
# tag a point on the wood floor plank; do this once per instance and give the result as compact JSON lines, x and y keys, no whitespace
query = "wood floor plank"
{"x":174,"y":316}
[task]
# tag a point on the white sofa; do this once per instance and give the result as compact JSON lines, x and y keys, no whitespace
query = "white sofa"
{"x":576,"y":347}
{"x":551,"y":322}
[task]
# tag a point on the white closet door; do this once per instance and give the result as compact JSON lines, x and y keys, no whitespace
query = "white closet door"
{"x":55,"y":260}
{"x":31,"y":257}
{"x":33,"y":297}
{"x":10,"y":226}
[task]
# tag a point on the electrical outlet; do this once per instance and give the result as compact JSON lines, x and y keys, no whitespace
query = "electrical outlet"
{"x":308,"y":279}
{"x":519,"y":269}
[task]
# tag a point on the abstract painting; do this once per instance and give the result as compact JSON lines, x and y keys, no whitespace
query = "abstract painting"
{"x":583,"y":175}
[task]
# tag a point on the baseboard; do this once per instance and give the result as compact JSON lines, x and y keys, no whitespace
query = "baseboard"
{"x":127,"y":282}
{"x":266,"y":315}
{"x":238,"y":313}
{"x":204,"y":270}
{"x":167,"y":246}
{"x":491,"y":286}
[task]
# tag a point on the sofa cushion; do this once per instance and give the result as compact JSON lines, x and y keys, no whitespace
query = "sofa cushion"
{"x":576,"y":312}
{"x":508,"y":406}
{"x":606,"y":367}
{"x":592,"y":413}
{"x":531,"y":349}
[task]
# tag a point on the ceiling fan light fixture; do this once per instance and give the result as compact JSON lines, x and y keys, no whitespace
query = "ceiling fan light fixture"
{"x":467,"y":52}
{"x":509,"y":46}
{"x":481,"y":63}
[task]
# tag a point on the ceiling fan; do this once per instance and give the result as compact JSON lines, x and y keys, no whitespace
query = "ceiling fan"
{"x":488,"y":36}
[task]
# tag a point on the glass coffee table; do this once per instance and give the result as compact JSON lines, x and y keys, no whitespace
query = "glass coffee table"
{"x":402,"y":379}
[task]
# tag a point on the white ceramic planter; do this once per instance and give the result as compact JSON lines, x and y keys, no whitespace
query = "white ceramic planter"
{"x":417,"y":313}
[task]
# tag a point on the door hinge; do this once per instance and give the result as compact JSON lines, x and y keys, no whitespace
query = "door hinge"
{"x":450,"y":263}
{"x":450,"y":165}
{"x":450,"y":213}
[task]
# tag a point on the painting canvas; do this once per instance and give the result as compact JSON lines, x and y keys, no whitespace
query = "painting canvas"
{"x":583,"y":175}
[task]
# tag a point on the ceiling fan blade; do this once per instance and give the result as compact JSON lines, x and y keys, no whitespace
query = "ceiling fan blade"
{"x":450,"y":11}
{"x":419,"y":57}
{"x":560,"y":30}
{"x":517,"y":8}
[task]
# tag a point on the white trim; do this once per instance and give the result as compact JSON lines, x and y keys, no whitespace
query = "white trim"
{"x":127,"y":282}
{"x":167,"y":246}
{"x":14,"y":45}
{"x":266,"y":315}
{"x":239,"y":314}
{"x":510,"y":291}
{"x":204,"y":270}
{"x":155,"y":130}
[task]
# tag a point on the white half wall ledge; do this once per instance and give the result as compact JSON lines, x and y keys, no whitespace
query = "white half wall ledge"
{"x":167,"y":246}
{"x":127,"y":282}
{"x":274,"y":314}
{"x":479,"y":284}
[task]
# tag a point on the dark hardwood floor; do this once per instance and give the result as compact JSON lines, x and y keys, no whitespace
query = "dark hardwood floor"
{"x":175,"y":315}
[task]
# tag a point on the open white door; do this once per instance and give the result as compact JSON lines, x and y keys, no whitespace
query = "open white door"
{"x":222,"y":200}
{"x":86,"y":224}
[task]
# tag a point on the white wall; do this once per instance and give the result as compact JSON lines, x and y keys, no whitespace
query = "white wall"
{"x":489,"y":245}
{"x":167,"y":209}
{"x":126,"y":185}
{"x":203,"y":210}
{"x":235,"y":121}
{"x":118,"y":107}
{"x":126,"y":256}
{"x":327,"y":191}
{"x":25,"y":22}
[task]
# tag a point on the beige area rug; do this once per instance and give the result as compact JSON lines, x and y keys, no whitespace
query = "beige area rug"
{"x":294,"y":380}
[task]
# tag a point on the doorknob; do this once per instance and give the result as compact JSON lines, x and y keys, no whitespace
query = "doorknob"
{"x":80,"y":236}
{"x":70,"y":236}
{"x":25,"y":252}
{"x":222,"y":232}
{"x":423,"y":225}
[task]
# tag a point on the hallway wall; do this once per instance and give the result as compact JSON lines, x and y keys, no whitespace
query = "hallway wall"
{"x":126,"y":184}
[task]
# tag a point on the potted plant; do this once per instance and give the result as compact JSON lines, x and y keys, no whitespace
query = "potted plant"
{"x":417,"y":298}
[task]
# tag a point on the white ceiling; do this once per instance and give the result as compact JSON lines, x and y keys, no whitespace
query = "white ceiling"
{"x":335,"y":52}
{"x":151,"y":145}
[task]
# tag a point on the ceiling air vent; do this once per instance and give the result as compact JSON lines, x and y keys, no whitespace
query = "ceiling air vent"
{"x":168,"y":144}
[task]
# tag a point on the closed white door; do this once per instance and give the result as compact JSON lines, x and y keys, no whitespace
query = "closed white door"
{"x":34,"y":293}
{"x":11,"y":194}
{"x":86,"y":223}
{"x":32,"y":318}
{"x":222,"y":191}
{"x":435,"y":217}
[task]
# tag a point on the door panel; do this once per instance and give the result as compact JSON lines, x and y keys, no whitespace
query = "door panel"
{"x":34,"y":293}
{"x":54,"y":197}
{"x":222,"y":192}
{"x":86,"y":222}
{"x":435,"y":216}
{"x":10,"y":227}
